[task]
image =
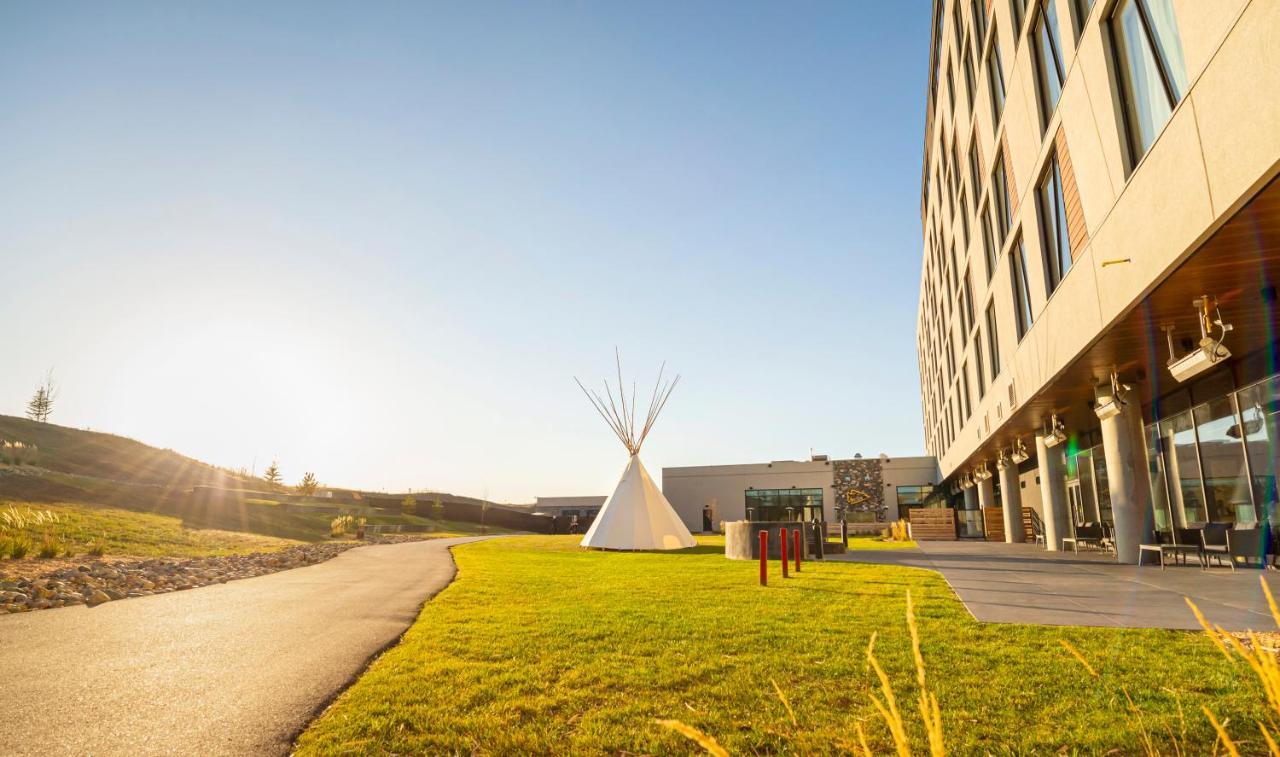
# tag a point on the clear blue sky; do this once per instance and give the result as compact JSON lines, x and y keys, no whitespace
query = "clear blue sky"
{"x":378,"y":240}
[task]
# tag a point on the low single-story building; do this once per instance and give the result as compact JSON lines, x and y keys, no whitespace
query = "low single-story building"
{"x":583,"y":507}
{"x":864,"y":490}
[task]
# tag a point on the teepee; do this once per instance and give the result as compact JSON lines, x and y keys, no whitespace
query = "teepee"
{"x":637,"y":515}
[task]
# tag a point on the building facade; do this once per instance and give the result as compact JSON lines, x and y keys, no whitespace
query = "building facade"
{"x":1099,"y":206}
{"x":863,"y":490}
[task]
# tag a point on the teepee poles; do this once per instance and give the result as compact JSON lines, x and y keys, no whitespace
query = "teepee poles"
{"x":621,"y":414}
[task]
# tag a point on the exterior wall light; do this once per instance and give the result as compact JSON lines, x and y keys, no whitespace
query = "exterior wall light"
{"x":1110,"y":398}
{"x":1019,"y":453}
{"x":1057,"y":434}
{"x":1209,"y":352}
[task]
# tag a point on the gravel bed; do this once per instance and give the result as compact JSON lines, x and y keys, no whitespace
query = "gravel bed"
{"x":96,"y":581}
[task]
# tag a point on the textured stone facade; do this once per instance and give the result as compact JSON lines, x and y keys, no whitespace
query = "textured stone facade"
{"x":859,"y":488}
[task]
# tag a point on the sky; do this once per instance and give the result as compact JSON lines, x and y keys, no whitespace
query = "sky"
{"x":377,"y":241}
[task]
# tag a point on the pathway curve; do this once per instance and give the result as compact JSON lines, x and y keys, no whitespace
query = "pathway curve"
{"x":235,"y":668}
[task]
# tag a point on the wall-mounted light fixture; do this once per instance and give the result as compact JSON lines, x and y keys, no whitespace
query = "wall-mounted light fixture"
{"x":1019,"y":454}
{"x":1056,"y":433}
{"x":1210,"y":351}
{"x":1110,"y":398}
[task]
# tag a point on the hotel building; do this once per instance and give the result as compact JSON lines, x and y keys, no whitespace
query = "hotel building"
{"x":1100,"y":213}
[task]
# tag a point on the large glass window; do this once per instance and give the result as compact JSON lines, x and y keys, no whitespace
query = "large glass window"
{"x":913,"y":496}
{"x":1182,"y":465}
{"x":1102,"y":483}
{"x":951,"y":88}
{"x":1153,"y":74}
{"x":979,"y":10}
{"x":1226,"y":480}
{"x":1081,"y":9}
{"x":993,"y":340}
{"x":784,"y":504}
{"x":975,"y":175}
{"x":965,"y":399}
{"x":970,"y":81}
{"x":977,"y":367}
{"x":1000,"y":198}
{"x":1053,"y":225}
{"x":988,"y":242}
{"x":1260,"y":428}
{"x":1048,"y":59}
{"x":1021,"y":291}
{"x":995,"y":79}
{"x":1156,"y":475}
{"x":1018,"y":8}
{"x":968,"y":305}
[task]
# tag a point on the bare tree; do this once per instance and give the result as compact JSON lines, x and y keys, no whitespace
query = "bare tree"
{"x":40,"y":406}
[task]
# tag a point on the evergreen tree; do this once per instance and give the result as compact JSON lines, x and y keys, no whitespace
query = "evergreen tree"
{"x":40,"y":406}
{"x":272,"y":475}
{"x":308,"y":484}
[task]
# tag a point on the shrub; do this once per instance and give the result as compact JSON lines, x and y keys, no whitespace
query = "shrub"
{"x":97,"y":547}
{"x":17,"y":546}
{"x":437,"y":509}
{"x":340,"y":525}
{"x":50,"y":546}
{"x":409,"y":505}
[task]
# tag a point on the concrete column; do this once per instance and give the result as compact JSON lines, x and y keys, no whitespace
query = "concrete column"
{"x":1011,"y":503}
{"x":1126,"y":454}
{"x":1052,"y":463}
{"x":971,"y":499}
{"x":986,"y":493}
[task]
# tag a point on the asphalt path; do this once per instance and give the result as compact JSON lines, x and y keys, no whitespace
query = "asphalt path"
{"x":235,"y":668}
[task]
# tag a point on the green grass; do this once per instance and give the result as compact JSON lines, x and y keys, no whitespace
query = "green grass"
{"x":125,"y":532}
{"x":541,"y":647}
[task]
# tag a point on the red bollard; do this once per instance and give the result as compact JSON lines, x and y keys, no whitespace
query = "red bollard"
{"x":764,"y":558}
{"x":798,"y":550}
{"x":783,"y":534}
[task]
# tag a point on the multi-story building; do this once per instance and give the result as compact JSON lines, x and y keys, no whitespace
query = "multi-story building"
{"x":1099,"y":201}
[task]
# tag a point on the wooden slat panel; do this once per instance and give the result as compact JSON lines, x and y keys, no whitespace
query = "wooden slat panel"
{"x":1077,"y":232}
{"x":993,"y":523}
{"x":932,"y":524}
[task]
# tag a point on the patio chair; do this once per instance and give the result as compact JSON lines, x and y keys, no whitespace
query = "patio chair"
{"x":1248,"y":544}
{"x":1213,"y":539}
{"x":1086,"y":533}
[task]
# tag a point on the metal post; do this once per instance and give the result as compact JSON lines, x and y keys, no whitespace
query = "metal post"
{"x":799,"y":550}
{"x":764,"y":558}
{"x":783,"y":544}
{"x":844,"y":532}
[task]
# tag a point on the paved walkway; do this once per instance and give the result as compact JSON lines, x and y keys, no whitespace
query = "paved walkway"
{"x":237,"y":668}
{"x":1023,"y":583}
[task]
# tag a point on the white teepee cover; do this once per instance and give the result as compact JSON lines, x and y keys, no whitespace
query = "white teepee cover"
{"x":637,"y":516}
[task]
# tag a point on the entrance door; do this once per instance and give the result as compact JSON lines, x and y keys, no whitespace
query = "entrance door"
{"x":1075,"y":503}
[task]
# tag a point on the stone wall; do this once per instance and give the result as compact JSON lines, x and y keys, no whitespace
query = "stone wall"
{"x":859,"y":488}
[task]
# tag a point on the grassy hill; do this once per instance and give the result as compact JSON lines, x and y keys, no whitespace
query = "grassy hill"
{"x":114,"y":458}
{"x":103,"y":483}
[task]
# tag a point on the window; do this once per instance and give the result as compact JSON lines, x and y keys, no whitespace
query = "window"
{"x":784,"y":504}
{"x":1081,"y":10}
{"x":988,"y":243}
{"x":970,"y":86}
{"x":993,"y":340}
{"x":957,"y":25}
{"x":1222,"y":456}
{"x":913,"y":496}
{"x":1000,"y":198}
{"x":1021,"y":292}
{"x":968,"y":304}
{"x":979,"y":10}
{"x":951,"y":88}
{"x":1048,"y":60}
{"x":962,"y":207}
{"x":995,"y":79}
{"x":1153,"y":75}
{"x":977,"y":368}
{"x":1053,"y":226}
{"x":1019,"y":12}
{"x":964,"y":392}
{"x":975,"y":174}
{"x":1260,"y":413}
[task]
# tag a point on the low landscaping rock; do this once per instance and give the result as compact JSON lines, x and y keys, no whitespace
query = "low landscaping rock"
{"x":96,"y":582}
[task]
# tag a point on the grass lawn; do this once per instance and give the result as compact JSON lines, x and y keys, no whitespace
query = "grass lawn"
{"x":128,"y":532}
{"x":541,"y":647}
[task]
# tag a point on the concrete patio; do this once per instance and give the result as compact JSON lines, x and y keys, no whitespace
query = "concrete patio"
{"x":1023,"y":583}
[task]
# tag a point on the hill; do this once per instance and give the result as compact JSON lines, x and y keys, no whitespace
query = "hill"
{"x":114,"y":458}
